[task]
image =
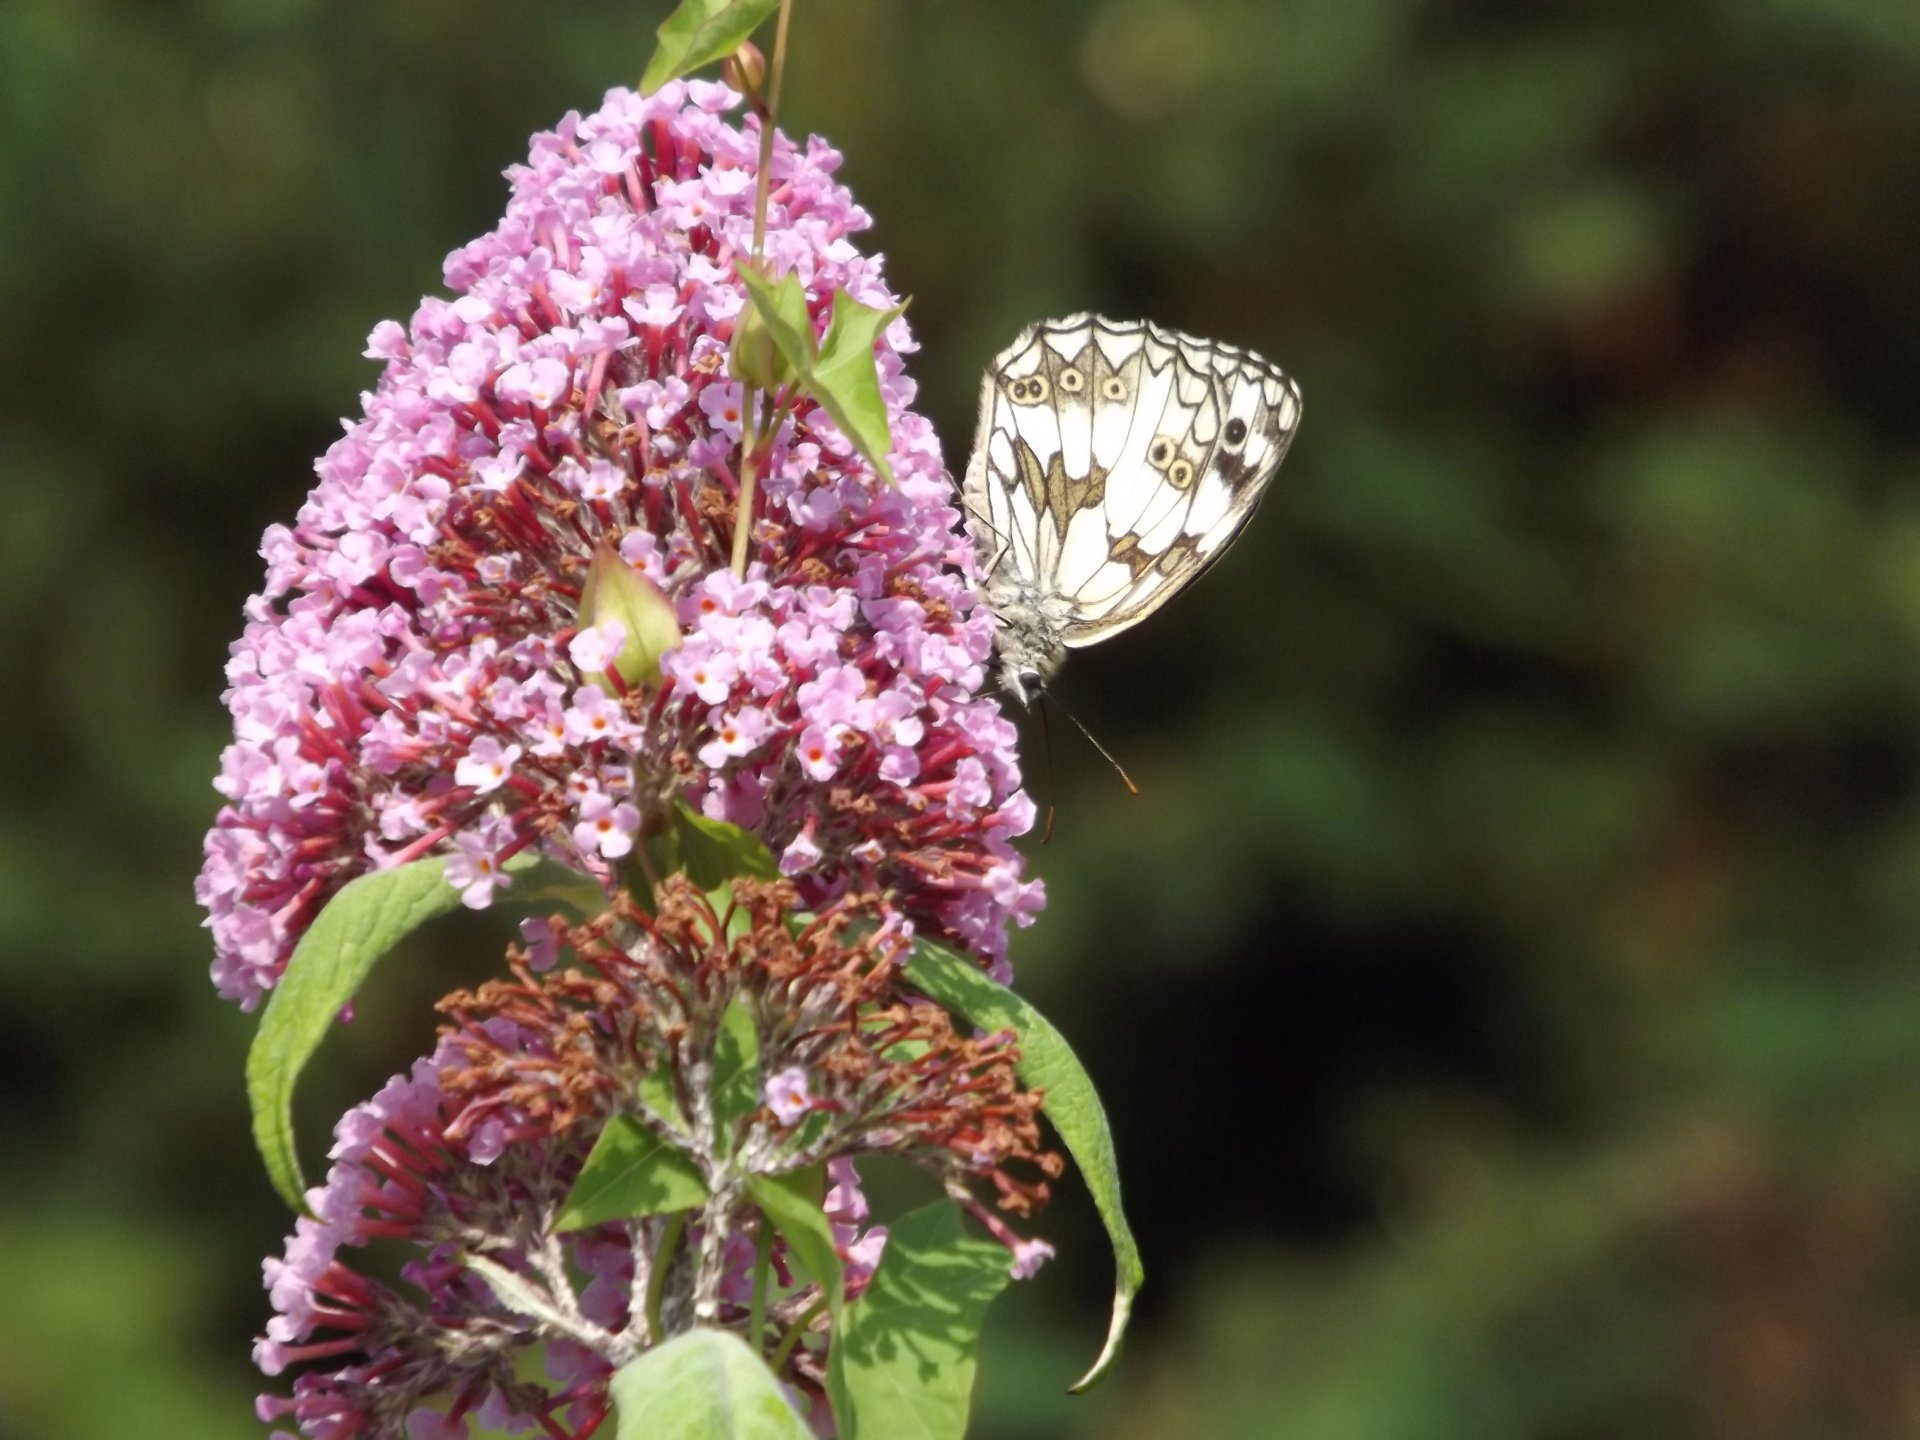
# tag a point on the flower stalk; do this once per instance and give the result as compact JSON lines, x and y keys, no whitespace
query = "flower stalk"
{"x":769,"y":117}
{"x":657,"y":1279}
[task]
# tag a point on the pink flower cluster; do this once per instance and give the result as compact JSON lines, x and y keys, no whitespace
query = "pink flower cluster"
{"x":415,"y":678}
{"x":416,"y":1165}
{"x":398,"y":1175}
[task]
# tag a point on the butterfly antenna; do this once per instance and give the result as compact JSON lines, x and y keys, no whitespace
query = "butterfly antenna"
{"x":1105,"y":754}
{"x":1046,"y":748}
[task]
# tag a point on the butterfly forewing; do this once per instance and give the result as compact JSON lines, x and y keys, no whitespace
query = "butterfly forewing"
{"x":1115,"y":462}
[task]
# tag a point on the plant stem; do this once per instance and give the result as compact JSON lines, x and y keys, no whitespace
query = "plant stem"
{"x":762,"y":1273}
{"x":743,"y":514}
{"x":530,"y":1301}
{"x":779,"y":54}
{"x":794,"y":1332}
{"x":749,"y":397}
{"x":657,"y":1280}
{"x":711,"y":1266}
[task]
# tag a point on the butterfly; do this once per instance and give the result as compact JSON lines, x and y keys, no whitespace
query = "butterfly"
{"x":1115,"y":461}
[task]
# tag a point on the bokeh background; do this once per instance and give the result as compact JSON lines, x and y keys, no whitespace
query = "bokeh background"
{"x":1505,"y":990}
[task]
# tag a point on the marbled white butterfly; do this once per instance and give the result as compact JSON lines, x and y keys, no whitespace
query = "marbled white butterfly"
{"x":1115,"y":461}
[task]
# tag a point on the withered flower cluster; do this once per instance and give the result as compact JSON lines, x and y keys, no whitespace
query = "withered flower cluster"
{"x":748,"y":1040}
{"x":856,"y":1063}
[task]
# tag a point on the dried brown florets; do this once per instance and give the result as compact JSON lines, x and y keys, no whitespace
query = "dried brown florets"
{"x":864,"y":1064}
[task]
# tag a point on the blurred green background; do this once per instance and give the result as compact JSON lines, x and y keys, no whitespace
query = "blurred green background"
{"x":1504,"y":990}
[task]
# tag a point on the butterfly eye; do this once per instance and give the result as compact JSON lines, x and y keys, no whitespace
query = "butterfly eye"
{"x":1160,"y":453}
{"x":1180,"y":474}
{"x":1071,"y":382}
{"x":1113,"y":388}
{"x":1236,"y":430}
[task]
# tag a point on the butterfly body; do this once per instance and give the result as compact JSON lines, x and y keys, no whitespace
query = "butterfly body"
{"x":1115,"y":462}
{"x":1031,"y":640}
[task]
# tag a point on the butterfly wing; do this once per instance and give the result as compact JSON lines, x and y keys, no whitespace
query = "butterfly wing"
{"x":1116,"y":461}
{"x":1028,"y":444}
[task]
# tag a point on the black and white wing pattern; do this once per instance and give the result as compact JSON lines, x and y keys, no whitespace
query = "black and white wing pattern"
{"x":1115,"y":461}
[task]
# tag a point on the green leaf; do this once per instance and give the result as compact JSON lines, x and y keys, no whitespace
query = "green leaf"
{"x":713,"y":852}
{"x":846,"y":381}
{"x":369,"y":916}
{"x":792,"y":1204}
{"x":840,"y":372}
{"x":537,"y":879}
{"x":656,"y":1092}
{"x":704,"y":1385}
{"x":736,"y":1068}
{"x":773,"y":338}
{"x":1047,"y":1064}
{"x":631,"y":1172}
{"x":901,"y":1366}
{"x":781,"y":309}
{"x":699,"y":33}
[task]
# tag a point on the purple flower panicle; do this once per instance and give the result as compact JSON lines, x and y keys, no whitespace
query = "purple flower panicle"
{"x":415,"y":678}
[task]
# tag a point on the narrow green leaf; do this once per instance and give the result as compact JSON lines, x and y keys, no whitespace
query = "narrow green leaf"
{"x":366,"y":919}
{"x":903,"y":1355}
{"x":792,"y":1204}
{"x":781,"y":308}
{"x":369,"y":916}
{"x":699,"y":33}
{"x":736,"y":1068}
{"x":703,"y":1385}
{"x":846,"y":381}
{"x":714,"y":852}
{"x":1047,"y":1064}
{"x":631,"y":1171}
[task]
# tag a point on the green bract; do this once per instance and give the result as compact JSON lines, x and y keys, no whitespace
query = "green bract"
{"x":768,"y":335}
{"x":839,"y":370}
{"x":846,"y":382}
{"x":713,"y":852}
{"x":791,"y":1204}
{"x":736,"y":1069}
{"x":614,"y":590}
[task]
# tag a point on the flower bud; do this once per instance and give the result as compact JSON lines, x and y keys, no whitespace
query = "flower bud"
{"x":616,"y":591}
{"x":746,"y":71}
